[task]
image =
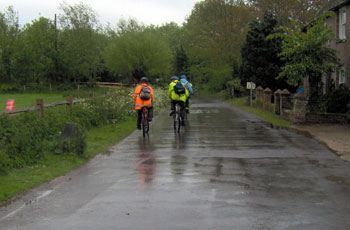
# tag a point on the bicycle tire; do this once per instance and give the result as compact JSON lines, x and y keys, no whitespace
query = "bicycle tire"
{"x":177,"y":118}
{"x":144,"y":123}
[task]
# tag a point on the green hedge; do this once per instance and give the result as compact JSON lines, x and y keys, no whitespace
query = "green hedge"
{"x":26,"y":138}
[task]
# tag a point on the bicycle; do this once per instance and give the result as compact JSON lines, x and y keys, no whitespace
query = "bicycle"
{"x":144,"y":121}
{"x":177,"y":118}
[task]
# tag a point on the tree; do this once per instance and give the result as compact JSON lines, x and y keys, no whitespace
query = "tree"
{"x":9,"y":35}
{"x":300,"y":11}
{"x":39,"y":50}
{"x":212,"y":37}
{"x":80,"y":42}
{"x":215,"y":30}
{"x":307,"y":56}
{"x":181,"y":61}
{"x":260,"y":61}
{"x":137,"y":53}
{"x":171,"y":33}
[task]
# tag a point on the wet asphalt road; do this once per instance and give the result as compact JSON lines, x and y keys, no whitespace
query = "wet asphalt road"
{"x":227,"y":170}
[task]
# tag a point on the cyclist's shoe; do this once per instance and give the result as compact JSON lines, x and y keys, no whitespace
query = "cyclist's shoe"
{"x":172,"y":113}
{"x":149,"y":119}
{"x":139,"y":127}
{"x":183,"y":123}
{"x":187,"y":110}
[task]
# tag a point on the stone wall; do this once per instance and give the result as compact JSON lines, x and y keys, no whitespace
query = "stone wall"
{"x":334,"y":118}
{"x":293,"y":108}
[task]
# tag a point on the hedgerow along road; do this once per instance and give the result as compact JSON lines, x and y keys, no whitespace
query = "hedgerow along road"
{"x":226,"y":170}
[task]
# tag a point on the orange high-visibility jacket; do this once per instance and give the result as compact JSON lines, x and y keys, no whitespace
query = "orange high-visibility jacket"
{"x":137,"y":100}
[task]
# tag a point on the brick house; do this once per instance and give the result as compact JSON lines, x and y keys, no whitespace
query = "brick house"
{"x":341,"y":24}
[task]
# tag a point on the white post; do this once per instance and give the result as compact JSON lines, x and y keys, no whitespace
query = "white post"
{"x":251,"y":96}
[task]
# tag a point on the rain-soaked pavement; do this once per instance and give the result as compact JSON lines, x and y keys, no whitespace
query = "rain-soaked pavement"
{"x":227,"y":170}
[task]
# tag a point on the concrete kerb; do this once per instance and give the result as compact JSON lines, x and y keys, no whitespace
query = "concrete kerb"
{"x":343,"y":155}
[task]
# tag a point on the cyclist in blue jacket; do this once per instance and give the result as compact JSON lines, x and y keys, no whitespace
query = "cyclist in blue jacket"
{"x":188,"y":86}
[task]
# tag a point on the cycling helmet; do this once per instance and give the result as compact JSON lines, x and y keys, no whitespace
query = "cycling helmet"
{"x":174,"y":78}
{"x":183,"y":77}
{"x":144,"y":80}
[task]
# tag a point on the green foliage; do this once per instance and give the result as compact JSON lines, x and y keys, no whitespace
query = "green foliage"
{"x":299,"y":11}
{"x":212,"y":77}
{"x":260,"y":61}
{"x":9,"y":87}
{"x":9,"y":35}
{"x":75,"y":145}
{"x":80,"y":43}
{"x":239,"y":90}
{"x":307,"y":56}
{"x":28,"y":99}
{"x":307,"y":53}
{"x":181,"y":62}
{"x":338,"y":101}
{"x":26,"y":139}
{"x":139,"y":53}
{"x":38,"y":50}
{"x":215,"y":31}
{"x":22,"y":138}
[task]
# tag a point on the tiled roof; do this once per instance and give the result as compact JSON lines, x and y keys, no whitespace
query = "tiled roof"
{"x":332,"y":5}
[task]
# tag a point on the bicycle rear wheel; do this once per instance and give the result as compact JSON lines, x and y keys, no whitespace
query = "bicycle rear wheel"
{"x":177,"y":118}
{"x":144,"y":123}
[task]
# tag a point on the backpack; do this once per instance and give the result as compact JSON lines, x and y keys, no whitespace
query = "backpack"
{"x":145,"y":93}
{"x":179,"y":88}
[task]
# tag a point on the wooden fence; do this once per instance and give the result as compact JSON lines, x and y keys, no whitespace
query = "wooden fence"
{"x":40,"y":106}
{"x":108,"y":84}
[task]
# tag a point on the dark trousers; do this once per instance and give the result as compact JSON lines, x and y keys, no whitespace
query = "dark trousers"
{"x":139,"y":115}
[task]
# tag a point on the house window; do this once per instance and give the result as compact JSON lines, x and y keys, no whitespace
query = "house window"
{"x":341,"y":77}
{"x":342,"y":23}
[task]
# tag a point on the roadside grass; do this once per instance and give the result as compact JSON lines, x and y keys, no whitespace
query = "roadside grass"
{"x":29,"y":99}
{"x":265,"y":115}
{"x":24,"y":100}
{"x":98,"y":140}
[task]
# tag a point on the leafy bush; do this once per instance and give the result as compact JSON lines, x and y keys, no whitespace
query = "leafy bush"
{"x":212,"y":77}
{"x":26,"y":138}
{"x":9,"y":87}
{"x":239,"y":90}
{"x":74,"y":145}
{"x":338,"y":100}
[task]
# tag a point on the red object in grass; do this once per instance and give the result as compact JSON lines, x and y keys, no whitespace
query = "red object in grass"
{"x":10,"y":105}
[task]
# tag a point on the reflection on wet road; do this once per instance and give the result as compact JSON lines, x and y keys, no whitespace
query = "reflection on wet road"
{"x":226,"y":170}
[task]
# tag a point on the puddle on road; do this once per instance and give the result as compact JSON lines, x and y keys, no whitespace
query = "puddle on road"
{"x":231,"y":182}
{"x":339,"y":180}
{"x":317,"y":164}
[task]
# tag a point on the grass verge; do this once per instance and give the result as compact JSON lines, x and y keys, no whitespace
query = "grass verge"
{"x":265,"y":115}
{"x":98,"y":140}
{"x":24,"y":100}
{"x":28,"y":99}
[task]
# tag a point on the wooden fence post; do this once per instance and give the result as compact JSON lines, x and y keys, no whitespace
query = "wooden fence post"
{"x":40,"y":107}
{"x":70,"y":102}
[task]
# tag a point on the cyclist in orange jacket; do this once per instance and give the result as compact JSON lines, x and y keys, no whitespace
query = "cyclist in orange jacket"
{"x":143,"y":96}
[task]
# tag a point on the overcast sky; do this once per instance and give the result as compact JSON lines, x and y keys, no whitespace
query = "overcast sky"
{"x":155,"y":12}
